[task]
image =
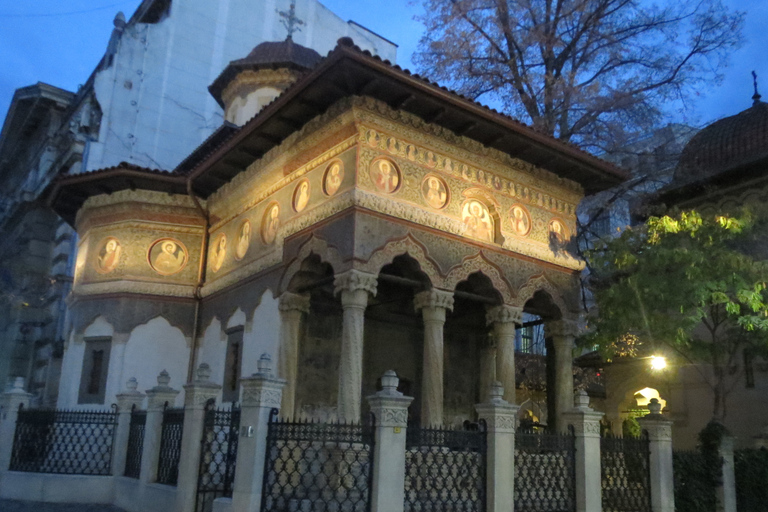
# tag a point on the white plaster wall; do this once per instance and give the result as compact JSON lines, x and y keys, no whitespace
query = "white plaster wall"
{"x":262,"y":336}
{"x":154,"y":98}
{"x":72,"y":364}
{"x":152,"y":348}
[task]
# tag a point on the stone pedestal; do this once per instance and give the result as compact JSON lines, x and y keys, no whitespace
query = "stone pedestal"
{"x":354,"y":287}
{"x":586,"y":426}
{"x":157,"y":398}
{"x":261,"y":394}
{"x":126,"y":402}
{"x":659,"y":430}
{"x":196,"y":395}
{"x":390,"y":408}
{"x":433,"y":305}
{"x":501,"y":419}
{"x":293,"y":307}
{"x":10,"y":402}
{"x":563,"y":333}
{"x":504,"y":320}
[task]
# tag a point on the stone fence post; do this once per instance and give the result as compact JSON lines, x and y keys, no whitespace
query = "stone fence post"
{"x":9,"y":413}
{"x":726,"y":493}
{"x":390,"y":408}
{"x":586,"y":426}
{"x":659,"y":430}
{"x":196,"y":395}
{"x":157,"y":397}
{"x":501,"y":419}
{"x":126,"y":401}
{"x":262,"y":392}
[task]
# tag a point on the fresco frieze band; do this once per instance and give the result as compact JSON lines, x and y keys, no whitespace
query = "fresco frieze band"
{"x":108,"y":255}
{"x":435,"y":191}
{"x":270,"y":223}
{"x":243,"y":239}
{"x":520,"y":220}
{"x":333,"y":177}
{"x":477,"y":221}
{"x":385,"y":175}
{"x":301,"y":196}
{"x":167,"y":256}
{"x":219,"y":252}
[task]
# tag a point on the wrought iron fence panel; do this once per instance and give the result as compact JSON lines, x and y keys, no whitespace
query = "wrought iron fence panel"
{"x":751,"y":471}
{"x":135,"y":443}
{"x":695,"y":482}
{"x":218,"y":456}
{"x":317,"y":467}
{"x":64,"y":442}
{"x":445,"y":470}
{"x":625,"y":472}
{"x":170,"y":446}
{"x":545,"y":472}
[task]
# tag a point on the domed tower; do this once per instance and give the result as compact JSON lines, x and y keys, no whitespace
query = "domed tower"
{"x":247,"y":85}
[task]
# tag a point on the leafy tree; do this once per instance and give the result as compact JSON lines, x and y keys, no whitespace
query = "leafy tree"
{"x":686,"y":285}
{"x":586,"y":71}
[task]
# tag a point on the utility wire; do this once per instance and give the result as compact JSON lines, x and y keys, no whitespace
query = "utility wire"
{"x":69,"y":13}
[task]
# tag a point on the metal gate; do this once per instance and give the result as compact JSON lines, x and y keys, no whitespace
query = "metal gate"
{"x":545,"y":471}
{"x":218,"y":455}
{"x":625,"y":469}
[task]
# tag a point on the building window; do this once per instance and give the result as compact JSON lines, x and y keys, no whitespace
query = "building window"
{"x":93,"y":380}
{"x":232,"y":364}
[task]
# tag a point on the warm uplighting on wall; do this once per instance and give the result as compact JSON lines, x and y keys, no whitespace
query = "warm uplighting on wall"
{"x":658,"y":363}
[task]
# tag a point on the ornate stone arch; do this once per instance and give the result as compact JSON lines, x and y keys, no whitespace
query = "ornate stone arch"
{"x":410,"y":245}
{"x":479,"y":263}
{"x":537,"y":283}
{"x":315,"y":245}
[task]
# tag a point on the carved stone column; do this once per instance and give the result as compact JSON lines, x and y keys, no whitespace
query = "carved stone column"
{"x":292,"y":309}
{"x":433,"y":305}
{"x":354,"y":287}
{"x":563,"y":333}
{"x":126,"y":401}
{"x":504,"y":320}
{"x":586,"y":427}
{"x":659,"y":430}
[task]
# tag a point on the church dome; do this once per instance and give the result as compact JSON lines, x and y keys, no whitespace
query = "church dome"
{"x":726,"y":144}
{"x":247,"y":85}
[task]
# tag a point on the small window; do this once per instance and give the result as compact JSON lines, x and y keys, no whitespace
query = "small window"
{"x":93,"y":380}
{"x":232,"y":364}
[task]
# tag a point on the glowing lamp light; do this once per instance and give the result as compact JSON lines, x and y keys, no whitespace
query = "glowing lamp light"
{"x":658,"y":363}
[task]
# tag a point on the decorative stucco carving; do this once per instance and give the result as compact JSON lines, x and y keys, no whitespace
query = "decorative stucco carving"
{"x":479,"y":263}
{"x":353,"y":280}
{"x":314,"y":245}
{"x":294,"y":302}
{"x":504,"y":314}
{"x":540,"y":283}
{"x":407,"y":245}
{"x":433,"y":299}
{"x":135,"y":287}
{"x":564,"y":328}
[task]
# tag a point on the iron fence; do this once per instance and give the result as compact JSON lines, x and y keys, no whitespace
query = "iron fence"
{"x":64,"y":442}
{"x":170,"y":446}
{"x":317,"y":467}
{"x":218,"y":455}
{"x":751,"y":471}
{"x":545,"y":472}
{"x":625,"y":472}
{"x":695,"y":481}
{"x":135,"y":443}
{"x":445,"y":470}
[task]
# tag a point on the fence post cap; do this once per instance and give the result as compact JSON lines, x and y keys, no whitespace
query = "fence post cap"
{"x":132,"y":384}
{"x":203,"y":372}
{"x":163,"y":379}
{"x":654,"y":406}
{"x":264,"y":365}
{"x":581,"y":400}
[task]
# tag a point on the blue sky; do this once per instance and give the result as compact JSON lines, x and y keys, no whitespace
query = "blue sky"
{"x":61,"y":42}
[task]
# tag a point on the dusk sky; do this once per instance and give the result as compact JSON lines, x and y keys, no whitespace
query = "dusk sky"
{"x":61,"y":42}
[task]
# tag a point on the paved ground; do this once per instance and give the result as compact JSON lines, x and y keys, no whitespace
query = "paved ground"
{"x":33,"y":506}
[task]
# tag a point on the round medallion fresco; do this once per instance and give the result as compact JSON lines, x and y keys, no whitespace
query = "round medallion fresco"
{"x":270,"y":223}
{"x":559,"y":231}
{"x":477,"y":220}
{"x":243,"y":240}
{"x":167,"y":256}
{"x":301,"y":196}
{"x":385,"y":175}
{"x":435,"y":191}
{"x":219,"y":252}
{"x":108,"y":255}
{"x":334,"y":174}
{"x":520,"y":220}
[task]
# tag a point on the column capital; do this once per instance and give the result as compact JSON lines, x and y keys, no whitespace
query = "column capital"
{"x":504,"y":314}
{"x":198,"y":392}
{"x":263,"y":389}
{"x":354,"y":280}
{"x":499,"y":415}
{"x":290,"y":301}
{"x":433,"y":298}
{"x":563,"y":328}
{"x":162,"y":393}
{"x":390,"y":406}
{"x":130,"y":397}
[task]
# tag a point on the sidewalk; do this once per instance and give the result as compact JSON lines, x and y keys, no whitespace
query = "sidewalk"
{"x":34,"y":506}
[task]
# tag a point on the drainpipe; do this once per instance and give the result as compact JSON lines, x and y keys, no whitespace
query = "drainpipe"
{"x":200,"y":282}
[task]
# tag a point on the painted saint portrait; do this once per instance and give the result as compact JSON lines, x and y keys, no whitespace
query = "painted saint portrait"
{"x":108,"y":256}
{"x":435,"y":192}
{"x":520,"y":220}
{"x":167,"y":256}
{"x":477,"y":220}
{"x":301,"y":195}
{"x":219,"y":252}
{"x":385,"y":175}
{"x":270,"y":224}
{"x":333,"y":176}
{"x":558,"y":231}
{"x":243,"y":240}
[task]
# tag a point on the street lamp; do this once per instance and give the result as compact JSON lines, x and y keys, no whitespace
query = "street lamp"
{"x":658,"y":363}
